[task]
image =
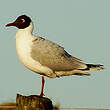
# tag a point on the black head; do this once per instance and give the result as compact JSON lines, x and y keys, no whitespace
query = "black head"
{"x":21,"y":22}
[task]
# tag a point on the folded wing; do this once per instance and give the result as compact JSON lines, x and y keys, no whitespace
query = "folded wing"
{"x":54,"y":56}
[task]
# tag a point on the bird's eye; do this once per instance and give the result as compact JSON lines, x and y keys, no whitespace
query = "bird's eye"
{"x":23,"y":20}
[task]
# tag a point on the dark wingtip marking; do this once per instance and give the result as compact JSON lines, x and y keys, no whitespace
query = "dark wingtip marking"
{"x":99,"y":66}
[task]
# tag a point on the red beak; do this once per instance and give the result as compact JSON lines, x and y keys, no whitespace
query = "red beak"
{"x":10,"y":24}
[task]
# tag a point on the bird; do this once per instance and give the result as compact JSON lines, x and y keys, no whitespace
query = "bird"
{"x":45,"y":57}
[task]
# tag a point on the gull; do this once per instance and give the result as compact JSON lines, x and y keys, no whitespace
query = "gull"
{"x":45,"y":57}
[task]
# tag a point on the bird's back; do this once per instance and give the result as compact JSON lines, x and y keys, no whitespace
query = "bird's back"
{"x":54,"y":56}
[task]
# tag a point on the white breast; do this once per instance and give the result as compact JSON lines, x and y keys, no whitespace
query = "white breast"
{"x":23,"y":47}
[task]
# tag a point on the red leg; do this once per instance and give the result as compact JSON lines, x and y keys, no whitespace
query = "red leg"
{"x":43,"y":81}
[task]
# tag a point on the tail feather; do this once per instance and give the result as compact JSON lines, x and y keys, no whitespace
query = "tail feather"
{"x":94,"y":67}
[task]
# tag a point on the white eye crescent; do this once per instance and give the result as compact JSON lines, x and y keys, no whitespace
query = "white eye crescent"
{"x":23,"y":20}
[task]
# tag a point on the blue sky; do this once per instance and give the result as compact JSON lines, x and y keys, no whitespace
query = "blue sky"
{"x":82,"y":27}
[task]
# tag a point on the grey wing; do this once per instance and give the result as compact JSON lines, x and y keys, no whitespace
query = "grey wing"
{"x":54,"y":56}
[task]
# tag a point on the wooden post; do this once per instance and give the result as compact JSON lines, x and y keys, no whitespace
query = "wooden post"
{"x":33,"y":102}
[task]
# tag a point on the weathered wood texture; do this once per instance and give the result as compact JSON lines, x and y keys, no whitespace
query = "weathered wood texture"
{"x":33,"y":102}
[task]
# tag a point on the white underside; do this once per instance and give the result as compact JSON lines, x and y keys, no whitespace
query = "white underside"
{"x":24,"y":42}
{"x":23,"y":47}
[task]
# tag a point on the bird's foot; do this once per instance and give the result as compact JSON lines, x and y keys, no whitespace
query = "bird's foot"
{"x":42,"y":94}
